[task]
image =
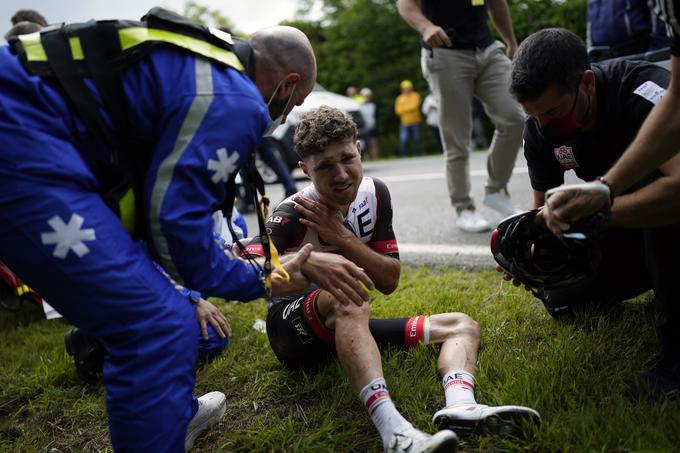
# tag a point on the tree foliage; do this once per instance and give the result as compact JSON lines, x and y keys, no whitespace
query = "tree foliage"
{"x":366,"y":43}
{"x":207,"y":16}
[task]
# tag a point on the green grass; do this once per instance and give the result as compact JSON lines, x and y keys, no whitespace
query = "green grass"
{"x":573,"y":373}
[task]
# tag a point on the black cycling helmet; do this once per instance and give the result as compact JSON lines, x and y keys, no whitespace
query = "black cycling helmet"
{"x":538,"y":259}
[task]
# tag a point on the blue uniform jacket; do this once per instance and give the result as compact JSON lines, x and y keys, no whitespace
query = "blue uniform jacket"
{"x":203,"y":120}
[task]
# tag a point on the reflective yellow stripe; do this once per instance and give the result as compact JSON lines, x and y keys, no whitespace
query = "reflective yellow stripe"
{"x":133,"y":36}
{"x":76,"y":49}
{"x":33,"y":47}
{"x":126,"y":207}
{"x":21,"y":290}
{"x":35,"y":52}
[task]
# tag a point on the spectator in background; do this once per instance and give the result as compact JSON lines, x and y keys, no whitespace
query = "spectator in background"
{"x":431,"y":112}
{"x":407,"y":108}
{"x":623,"y":27}
{"x":21,"y":28}
{"x":351,"y":92}
{"x":369,"y":110}
{"x":29,"y":15}
{"x":460,"y":59}
{"x":25,"y":21}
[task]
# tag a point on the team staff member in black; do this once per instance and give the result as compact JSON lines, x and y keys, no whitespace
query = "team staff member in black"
{"x":657,"y":141}
{"x":583,"y":117}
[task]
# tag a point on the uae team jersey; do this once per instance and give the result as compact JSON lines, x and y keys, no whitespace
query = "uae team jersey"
{"x":369,"y":217}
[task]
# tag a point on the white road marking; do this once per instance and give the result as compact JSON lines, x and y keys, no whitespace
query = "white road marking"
{"x":445,"y":249}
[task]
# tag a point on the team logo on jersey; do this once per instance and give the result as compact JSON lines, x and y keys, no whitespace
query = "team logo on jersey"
{"x":364,"y":221}
{"x":301,"y":331}
{"x":363,"y":203}
{"x":278,"y":219}
{"x":290,"y":308}
{"x":565,"y":156}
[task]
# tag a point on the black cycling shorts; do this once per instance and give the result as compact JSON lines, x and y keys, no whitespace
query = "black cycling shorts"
{"x":299,"y":338}
{"x":296,"y":333}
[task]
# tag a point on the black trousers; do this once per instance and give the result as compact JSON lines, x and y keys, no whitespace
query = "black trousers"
{"x":633,"y":262}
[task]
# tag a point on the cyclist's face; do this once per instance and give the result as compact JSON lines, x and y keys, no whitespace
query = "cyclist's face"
{"x":336,"y":173}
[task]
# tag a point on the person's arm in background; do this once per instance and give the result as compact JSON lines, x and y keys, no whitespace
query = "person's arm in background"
{"x":433,"y":35}
{"x":410,"y":104}
{"x":539,"y":198}
{"x":398,"y":107}
{"x":500,"y":16}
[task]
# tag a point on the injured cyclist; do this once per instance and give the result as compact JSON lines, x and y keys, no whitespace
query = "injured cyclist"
{"x":344,"y":213}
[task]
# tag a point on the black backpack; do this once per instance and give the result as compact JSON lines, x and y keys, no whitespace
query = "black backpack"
{"x":622,"y":27}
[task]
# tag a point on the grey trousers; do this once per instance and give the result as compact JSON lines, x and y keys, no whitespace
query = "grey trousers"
{"x":454,"y":77}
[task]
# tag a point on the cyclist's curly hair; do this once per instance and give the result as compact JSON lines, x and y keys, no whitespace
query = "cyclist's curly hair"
{"x":320,"y":127}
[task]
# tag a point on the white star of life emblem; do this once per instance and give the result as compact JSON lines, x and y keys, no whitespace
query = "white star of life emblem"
{"x":224,"y":166}
{"x":68,"y":237}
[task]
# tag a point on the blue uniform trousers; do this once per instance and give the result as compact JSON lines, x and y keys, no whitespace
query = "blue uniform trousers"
{"x":68,"y":245}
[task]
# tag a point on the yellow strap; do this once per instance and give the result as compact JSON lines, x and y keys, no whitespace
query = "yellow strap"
{"x":134,"y":36}
{"x":126,"y":207}
{"x":33,"y":47}
{"x":35,"y":51}
{"x":263,"y":206}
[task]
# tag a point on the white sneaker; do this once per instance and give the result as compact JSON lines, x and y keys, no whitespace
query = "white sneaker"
{"x":211,"y":407}
{"x":502,"y":203}
{"x":411,"y":440}
{"x":480,"y":419}
{"x":472,"y":222}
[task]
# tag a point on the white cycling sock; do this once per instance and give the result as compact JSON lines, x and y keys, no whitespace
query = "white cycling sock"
{"x":385,"y":416}
{"x":459,"y":388}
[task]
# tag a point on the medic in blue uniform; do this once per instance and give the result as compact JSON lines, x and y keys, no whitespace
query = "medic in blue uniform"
{"x":59,"y":235}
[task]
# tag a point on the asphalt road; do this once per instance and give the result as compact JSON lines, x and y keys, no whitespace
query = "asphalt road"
{"x":424,"y":220}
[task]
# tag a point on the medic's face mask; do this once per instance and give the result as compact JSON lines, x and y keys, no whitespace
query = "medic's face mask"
{"x":277,"y":110}
{"x":567,"y":127}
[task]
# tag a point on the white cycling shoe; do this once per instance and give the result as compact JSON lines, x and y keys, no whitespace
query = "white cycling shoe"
{"x":479,"y":419}
{"x":412,"y":440}
{"x":211,"y":408}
